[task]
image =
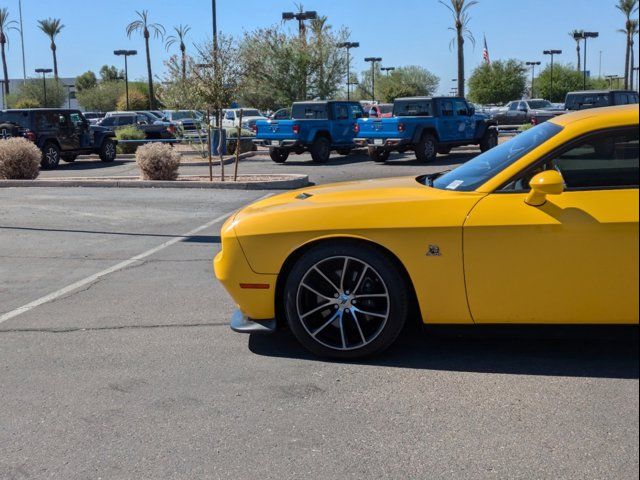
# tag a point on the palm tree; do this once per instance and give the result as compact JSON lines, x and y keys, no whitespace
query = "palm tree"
{"x":460,"y":11}
{"x":5,"y":26}
{"x":577,"y":36}
{"x":633,"y":31}
{"x":51,"y":28}
{"x":181,"y":33}
{"x":143,"y":26}
{"x":628,"y":8}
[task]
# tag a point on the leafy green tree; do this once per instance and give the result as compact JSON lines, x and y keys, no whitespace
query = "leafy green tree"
{"x":628,"y":8}
{"x":565,"y":79}
{"x":137,"y":100}
{"x":327,"y":61}
{"x":86,"y":81}
{"x":460,"y":11}
{"x":52,"y":28}
{"x":109,"y":73}
{"x":500,"y":82}
{"x":5,"y":26}
{"x":142,"y":25}
{"x":101,"y":98}
{"x":32,"y":90}
{"x":407,"y":81}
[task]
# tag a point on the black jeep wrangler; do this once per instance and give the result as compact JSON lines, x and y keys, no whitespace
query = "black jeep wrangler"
{"x":60,"y":133}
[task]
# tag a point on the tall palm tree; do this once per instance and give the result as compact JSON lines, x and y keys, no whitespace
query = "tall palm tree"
{"x":52,"y":28}
{"x":577,"y":36}
{"x":628,"y":8}
{"x":634,"y":26}
{"x":181,"y":33}
{"x":142,"y":25}
{"x":5,"y":26}
{"x":460,"y":11}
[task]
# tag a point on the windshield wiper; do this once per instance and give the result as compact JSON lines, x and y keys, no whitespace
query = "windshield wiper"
{"x":430,"y":178}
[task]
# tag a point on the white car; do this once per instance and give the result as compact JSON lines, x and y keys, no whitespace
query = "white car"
{"x":249,"y":117}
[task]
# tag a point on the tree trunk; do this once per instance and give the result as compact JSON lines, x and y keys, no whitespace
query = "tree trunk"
{"x":4,"y":68}
{"x":626,"y":62}
{"x":151,"y":97}
{"x":184,"y":62}
{"x":631,"y":65}
{"x":55,"y":61}
{"x":578,"y":54}
{"x":460,"y":63}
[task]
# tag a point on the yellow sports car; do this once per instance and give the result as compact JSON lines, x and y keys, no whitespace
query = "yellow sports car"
{"x":541,"y":229}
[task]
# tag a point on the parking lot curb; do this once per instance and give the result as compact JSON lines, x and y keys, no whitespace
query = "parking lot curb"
{"x":291,"y":181}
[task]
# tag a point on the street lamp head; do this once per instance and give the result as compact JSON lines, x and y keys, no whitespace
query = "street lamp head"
{"x":43,"y":70}
{"x":288,"y":16}
{"x":310,"y":15}
{"x":373,"y":59}
{"x":348,"y":45}
{"x":552,"y":52}
{"x":590,"y":34}
{"x":125,"y":52}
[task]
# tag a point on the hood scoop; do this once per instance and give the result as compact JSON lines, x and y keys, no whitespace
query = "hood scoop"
{"x":303,"y":196}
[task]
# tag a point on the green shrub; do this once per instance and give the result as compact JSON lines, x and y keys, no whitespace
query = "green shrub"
{"x":246,"y":145}
{"x":19,"y":159}
{"x":525,"y":127}
{"x":137,"y":101}
{"x":129,"y":132}
{"x":158,"y":161}
{"x":27,"y":103}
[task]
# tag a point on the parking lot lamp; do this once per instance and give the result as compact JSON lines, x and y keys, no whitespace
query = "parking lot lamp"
{"x":584,"y":36}
{"x":125,"y":54}
{"x":300,"y":17}
{"x":69,"y":87}
{"x":533,"y":70}
{"x":373,"y":61}
{"x":44,"y":71}
{"x":348,"y":46}
{"x":387,"y":69}
{"x":552,"y":53}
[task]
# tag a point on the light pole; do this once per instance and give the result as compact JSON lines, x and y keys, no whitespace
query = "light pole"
{"x":533,"y":70}
{"x":24,"y":65}
{"x":44,"y":71}
{"x":552,"y":53}
{"x":125,"y":54}
{"x":373,"y":61}
{"x":610,"y":78}
{"x":387,"y":69}
{"x":2,"y":82}
{"x":637,"y":70}
{"x":69,"y":87}
{"x":301,"y":17}
{"x":348,"y":46}
{"x":584,"y":36}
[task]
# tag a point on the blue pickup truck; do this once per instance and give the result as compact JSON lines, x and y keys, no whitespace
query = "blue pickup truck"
{"x":316,"y":127}
{"x":427,"y":126}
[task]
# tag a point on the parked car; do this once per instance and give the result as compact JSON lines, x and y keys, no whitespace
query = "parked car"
{"x":427,"y":126}
{"x":188,"y":123}
{"x":152,"y":131}
{"x":93,"y":117}
{"x":599,"y":98}
{"x":60,"y":134}
{"x":543,"y":229}
{"x":249,"y":117}
{"x":380,"y":110}
{"x":317,"y":127}
{"x":520,"y":112}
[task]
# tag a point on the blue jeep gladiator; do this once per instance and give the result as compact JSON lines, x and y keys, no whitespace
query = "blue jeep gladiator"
{"x":317,"y":127}
{"x":427,"y":126}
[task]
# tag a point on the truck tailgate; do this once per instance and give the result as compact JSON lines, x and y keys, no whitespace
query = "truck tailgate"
{"x":275,"y":130}
{"x":378,"y":127}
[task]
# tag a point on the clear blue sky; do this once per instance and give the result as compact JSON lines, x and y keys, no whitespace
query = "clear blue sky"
{"x":402,"y":32}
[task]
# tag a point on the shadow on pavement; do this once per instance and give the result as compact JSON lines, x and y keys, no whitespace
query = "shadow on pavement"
{"x":90,"y":164}
{"x":572,"y":351}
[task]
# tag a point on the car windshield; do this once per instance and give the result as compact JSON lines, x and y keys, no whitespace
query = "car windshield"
{"x":386,"y":108}
{"x":249,"y":112}
{"x":412,"y":108}
{"x":181,"y":114}
{"x":485,"y":166}
{"x":540,"y":104}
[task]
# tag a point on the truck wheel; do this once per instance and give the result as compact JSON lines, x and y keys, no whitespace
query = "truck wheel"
{"x":278,"y":155}
{"x":378,"y":154}
{"x":108,"y":150}
{"x":489,"y":140}
{"x":427,"y":148}
{"x":69,"y":157}
{"x":50,"y":156}
{"x":321,"y":150}
{"x":444,"y":150}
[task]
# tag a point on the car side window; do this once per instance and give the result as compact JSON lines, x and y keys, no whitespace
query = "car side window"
{"x":125,"y":120}
{"x":356,"y":111}
{"x":446,"y":108}
{"x":342,"y":112}
{"x":620,"y":99}
{"x":462,"y":109}
{"x":75,"y":118}
{"x":513,"y":106}
{"x":108,"y":121}
{"x":229,"y":116}
{"x":599,"y":161}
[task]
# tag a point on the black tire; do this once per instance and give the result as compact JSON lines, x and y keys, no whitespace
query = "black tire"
{"x":382,"y":287}
{"x":108,"y":150}
{"x":231,"y":148}
{"x":69,"y":157}
{"x":444,"y":150}
{"x":344,"y":151}
{"x":427,"y":148}
{"x":489,"y":140}
{"x":278,"y":155}
{"x":50,"y":156}
{"x":378,"y":154}
{"x":321,"y":150}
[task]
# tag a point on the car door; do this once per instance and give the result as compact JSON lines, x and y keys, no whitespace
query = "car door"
{"x":464,"y":121}
{"x":67,"y":136}
{"x":511,"y":115}
{"x":341,"y":123}
{"x":572,"y":260}
{"x":447,"y":120}
{"x":79,"y":130}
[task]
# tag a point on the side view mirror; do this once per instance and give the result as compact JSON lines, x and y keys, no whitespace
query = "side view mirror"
{"x":545,"y":183}
{"x":62,"y":120}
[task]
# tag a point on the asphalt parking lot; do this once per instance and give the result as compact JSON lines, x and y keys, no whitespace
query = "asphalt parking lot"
{"x":134,"y":373}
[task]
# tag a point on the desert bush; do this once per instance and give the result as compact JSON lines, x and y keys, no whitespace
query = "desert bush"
{"x":246,"y":145}
{"x":524,"y":127}
{"x":27,"y":103}
{"x":19,"y":159}
{"x":158,"y":161}
{"x":129,"y":132}
{"x":137,"y":101}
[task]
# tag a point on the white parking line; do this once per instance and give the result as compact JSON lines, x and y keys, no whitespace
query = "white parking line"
{"x":115,"y":268}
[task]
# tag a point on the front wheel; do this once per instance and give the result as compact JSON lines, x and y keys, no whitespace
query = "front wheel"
{"x":345,"y":300}
{"x":489,"y":140}
{"x":278,"y":155}
{"x":427,"y":148}
{"x":50,"y":156}
{"x":108,"y":151}
{"x":321,"y":150}
{"x":378,"y":154}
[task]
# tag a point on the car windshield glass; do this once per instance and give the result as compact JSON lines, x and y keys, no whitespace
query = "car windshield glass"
{"x":412,"y":108}
{"x":540,"y":104}
{"x":19,"y":118}
{"x":182,"y":114}
{"x":479,"y":170}
{"x":385,"y":108}
{"x":302,"y":111}
{"x":250,"y":113}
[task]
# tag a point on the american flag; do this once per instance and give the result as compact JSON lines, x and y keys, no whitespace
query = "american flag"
{"x":485,"y":52}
